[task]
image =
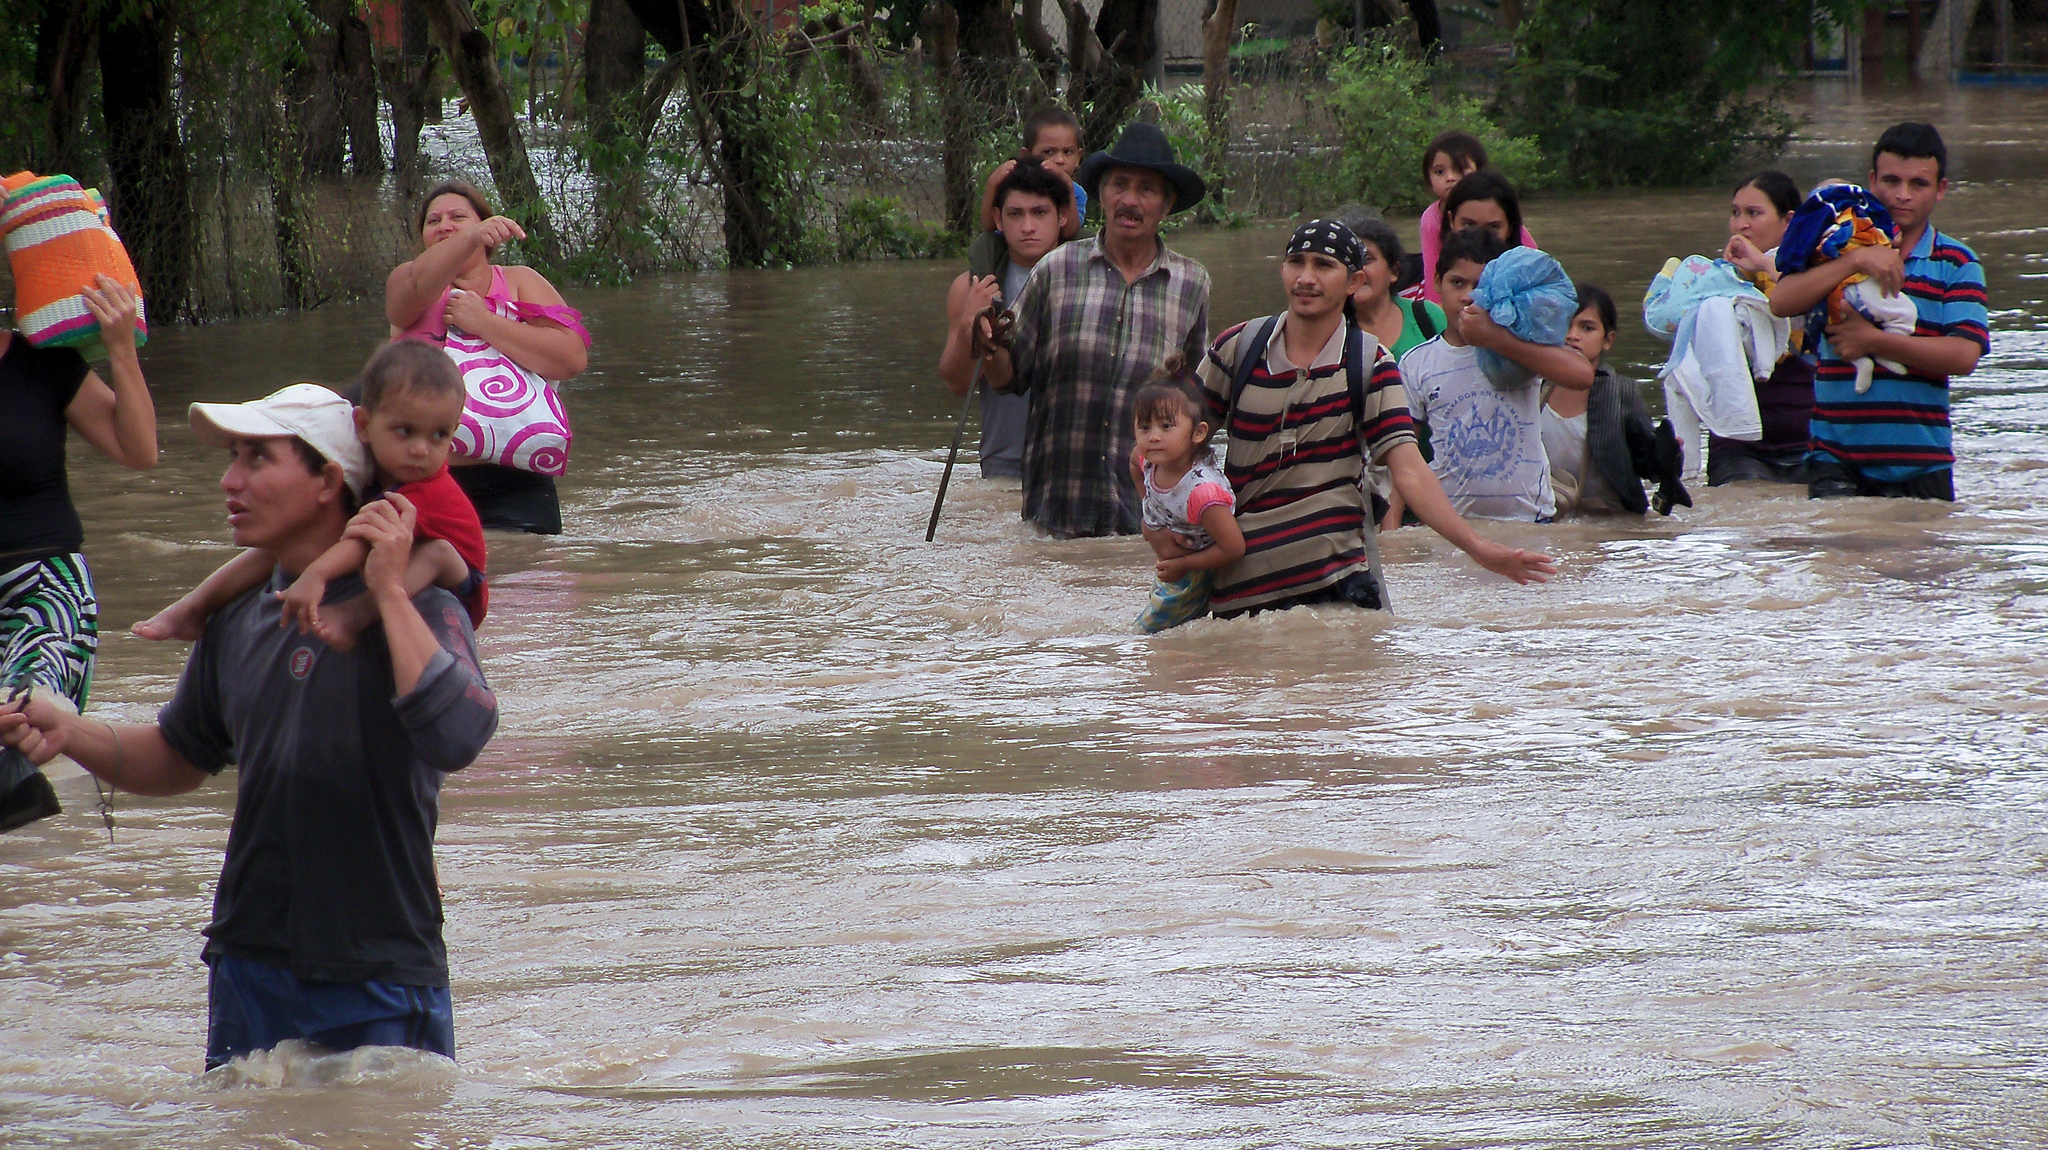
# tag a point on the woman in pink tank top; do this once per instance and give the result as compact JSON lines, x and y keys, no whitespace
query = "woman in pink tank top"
{"x":452,"y":281}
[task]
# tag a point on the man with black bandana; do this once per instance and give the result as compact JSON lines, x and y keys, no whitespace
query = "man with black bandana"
{"x":1318,"y":397}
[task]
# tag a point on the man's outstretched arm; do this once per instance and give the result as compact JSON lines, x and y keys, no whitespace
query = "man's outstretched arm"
{"x":135,"y":759}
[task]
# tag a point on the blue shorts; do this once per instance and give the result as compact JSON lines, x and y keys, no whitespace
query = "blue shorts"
{"x":254,"y":1006}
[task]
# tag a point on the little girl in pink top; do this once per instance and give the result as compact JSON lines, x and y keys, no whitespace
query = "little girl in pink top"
{"x":1449,"y":159}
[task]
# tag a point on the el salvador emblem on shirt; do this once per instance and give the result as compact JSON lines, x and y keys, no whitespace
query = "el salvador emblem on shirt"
{"x":302,"y":662}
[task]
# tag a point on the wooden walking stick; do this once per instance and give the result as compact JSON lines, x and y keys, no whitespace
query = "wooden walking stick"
{"x":999,"y":323}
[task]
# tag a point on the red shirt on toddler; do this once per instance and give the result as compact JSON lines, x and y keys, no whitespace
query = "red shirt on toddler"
{"x":443,"y":511}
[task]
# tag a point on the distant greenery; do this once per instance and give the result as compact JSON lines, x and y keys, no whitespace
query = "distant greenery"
{"x":1255,"y":49}
{"x":1620,"y":92}
{"x":1388,"y":106}
{"x":872,"y":227}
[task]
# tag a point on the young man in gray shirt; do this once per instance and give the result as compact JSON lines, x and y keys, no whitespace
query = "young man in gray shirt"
{"x":327,"y":920}
{"x":1029,"y":202}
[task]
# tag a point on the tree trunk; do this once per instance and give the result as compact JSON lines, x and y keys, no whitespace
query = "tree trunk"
{"x":356,"y":75}
{"x":1218,"y":29}
{"x":311,"y":95}
{"x":416,"y":42}
{"x":1429,"y":26}
{"x":723,"y":50}
{"x":1033,"y":36}
{"x":956,"y":132}
{"x":291,"y":224}
{"x":408,"y":82}
{"x":66,"y":38}
{"x":1126,"y":33}
{"x":871,"y":102}
{"x":475,"y":62}
{"x":614,"y":75}
{"x":148,"y":183}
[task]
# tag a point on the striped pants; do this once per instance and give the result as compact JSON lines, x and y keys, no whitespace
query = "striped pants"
{"x":49,"y":626}
{"x":49,"y":632}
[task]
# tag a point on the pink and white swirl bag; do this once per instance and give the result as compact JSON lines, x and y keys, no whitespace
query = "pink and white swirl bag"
{"x":512,"y":417}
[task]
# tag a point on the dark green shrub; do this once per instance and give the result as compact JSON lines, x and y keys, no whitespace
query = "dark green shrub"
{"x":880,"y":227}
{"x":1622,"y":92}
{"x":1388,"y":106}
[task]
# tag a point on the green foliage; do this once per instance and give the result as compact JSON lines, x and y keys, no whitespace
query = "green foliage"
{"x":877,"y":227}
{"x":775,"y":126}
{"x":1624,"y":92}
{"x":1259,"y":49}
{"x":1182,"y":118}
{"x":1388,"y":106}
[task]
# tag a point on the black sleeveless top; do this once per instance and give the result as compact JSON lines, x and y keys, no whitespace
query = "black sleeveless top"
{"x":37,"y":519}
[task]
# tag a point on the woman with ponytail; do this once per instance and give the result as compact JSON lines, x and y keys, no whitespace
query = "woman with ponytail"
{"x":1307,"y":397}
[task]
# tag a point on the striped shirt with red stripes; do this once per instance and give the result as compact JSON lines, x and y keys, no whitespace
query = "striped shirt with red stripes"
{"x":1293,"y":458}
{"x":1899,"y":429}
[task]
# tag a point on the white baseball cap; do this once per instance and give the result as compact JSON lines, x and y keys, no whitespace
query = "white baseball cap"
{"x":315,"y":414}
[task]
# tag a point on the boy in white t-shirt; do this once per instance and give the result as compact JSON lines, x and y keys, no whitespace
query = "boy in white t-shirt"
{"x":1487,"y":441}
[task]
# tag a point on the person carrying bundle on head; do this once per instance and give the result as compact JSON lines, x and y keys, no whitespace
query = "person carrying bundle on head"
{"x":74,"y":290}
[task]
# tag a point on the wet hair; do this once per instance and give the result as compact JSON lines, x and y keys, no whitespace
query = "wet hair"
{"x":406,"y":366}
{"x":1049,"y":117}
{"x":1777,"y":187}
{"x":1595,"y":298}
{"x":1474,"y":245}
{"x":1031,"y":177}
{"x":1172,"y":390}
{"x":1913,"y":141}
{"x":1485,"y":184}
{"x":463,"y":188}
{"x":1459,"y":148}
{"x":1381,"y":235}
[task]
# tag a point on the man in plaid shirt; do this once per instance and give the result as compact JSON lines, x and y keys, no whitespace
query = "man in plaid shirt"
{"x":1095,"y":321}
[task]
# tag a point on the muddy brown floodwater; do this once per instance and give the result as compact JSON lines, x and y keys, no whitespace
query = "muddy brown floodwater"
{"x":800,"y":832}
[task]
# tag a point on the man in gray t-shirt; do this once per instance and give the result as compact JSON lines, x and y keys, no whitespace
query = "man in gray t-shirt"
{"x":1029,"y":202}
{"x":327,"y":920}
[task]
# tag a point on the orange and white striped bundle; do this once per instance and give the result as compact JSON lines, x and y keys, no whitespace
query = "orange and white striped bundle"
{"x":58,"y":239}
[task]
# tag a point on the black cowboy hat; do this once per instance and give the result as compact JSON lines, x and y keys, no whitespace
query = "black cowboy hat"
{"x":1144,"y":146}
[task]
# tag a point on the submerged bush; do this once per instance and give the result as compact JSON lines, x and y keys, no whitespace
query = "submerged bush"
{"x":1388,"y":106}
{"x":880,"y":227}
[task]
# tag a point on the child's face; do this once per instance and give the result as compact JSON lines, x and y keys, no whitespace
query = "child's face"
{"x":1444,"y":174}
{"x":1060,"y":147}
{"x":1031,"y":227}
{"x":1317,"y":284}
{"x":1168,"y":437}
{"x":410,"y":432}
{"x":1589,"y":337}
{"x":1483,"y":214}
{"x":1908,"y":189}
{"x":1456,"y":286}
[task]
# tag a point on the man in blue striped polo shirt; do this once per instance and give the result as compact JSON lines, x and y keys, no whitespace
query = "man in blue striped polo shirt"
{"x":1893,"y":440}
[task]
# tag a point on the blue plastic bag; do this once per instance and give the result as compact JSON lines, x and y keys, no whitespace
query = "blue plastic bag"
{"x":1526,"y":292}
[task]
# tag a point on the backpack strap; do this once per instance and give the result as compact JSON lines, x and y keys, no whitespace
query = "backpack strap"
{"x":1354,"y":377}
{"x":1249,"y":356}
{"x":1423,"y":323}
